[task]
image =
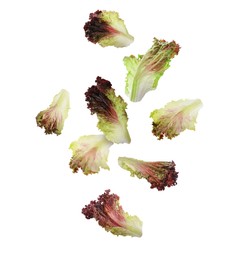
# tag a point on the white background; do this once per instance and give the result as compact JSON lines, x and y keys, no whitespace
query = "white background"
{"x":42,"y":50}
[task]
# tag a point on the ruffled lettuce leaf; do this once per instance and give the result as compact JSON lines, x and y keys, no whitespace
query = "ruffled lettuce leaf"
{"x":90,"y":153}
{"x":175,"y":117}
{"x":144,"y":71}
{"x":111,"y":216}
{"x":110,"y":110}
{"x":159,"y":174}
{"x":52,"y":119}
{"x":107,"y":29}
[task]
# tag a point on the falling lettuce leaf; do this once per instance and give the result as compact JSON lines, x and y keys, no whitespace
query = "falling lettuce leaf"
{"x":52,"y":119}
{"x":110,"y":110}
{"x":107,"y":29}
{"x":158,"y":174}
{"x":175,"y":117}
{"x":111,"y":216}
{"x":144,"y":71}
{"x":90,"y":152}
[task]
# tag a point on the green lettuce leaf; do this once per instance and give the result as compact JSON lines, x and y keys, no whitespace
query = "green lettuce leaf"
{"x":175,"y":117}
{"x":110,"y":110}
{"x":52,"y":119}
{"x":144,"y":71}
{"x":90,"y":153}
